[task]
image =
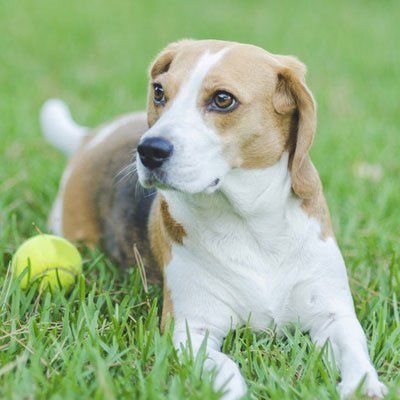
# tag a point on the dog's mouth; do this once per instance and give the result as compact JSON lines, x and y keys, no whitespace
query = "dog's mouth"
{"x":160,"y":180}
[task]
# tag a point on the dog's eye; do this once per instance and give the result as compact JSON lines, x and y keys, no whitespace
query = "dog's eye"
{"x":223,"y":101}
{"x":159,"y":95}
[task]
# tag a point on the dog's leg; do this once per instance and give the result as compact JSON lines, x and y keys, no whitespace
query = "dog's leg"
{"x":200,"y":307}
{"x":351,"y":354}
{"x":326,"y":309}
{"x":228,"y":377}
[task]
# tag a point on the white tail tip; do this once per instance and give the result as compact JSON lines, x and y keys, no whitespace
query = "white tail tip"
{"x":59,"y":128}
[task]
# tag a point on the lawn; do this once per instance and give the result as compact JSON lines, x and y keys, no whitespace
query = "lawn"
{"x":103,"y":340}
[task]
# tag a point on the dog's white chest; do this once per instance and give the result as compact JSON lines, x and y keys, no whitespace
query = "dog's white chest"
{"x":247,"y":265}
{"x":245,"y":251}
{"x":232,"y":267}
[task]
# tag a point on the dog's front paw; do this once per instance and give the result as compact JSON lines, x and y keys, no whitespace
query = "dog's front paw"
{"x":236,"y":389}
{"x":372,"y":388}
{"x":230,"y":380}
{"x":375,"y":389}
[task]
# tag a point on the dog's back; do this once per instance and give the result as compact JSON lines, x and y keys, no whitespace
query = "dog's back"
{"x":99,"y":199}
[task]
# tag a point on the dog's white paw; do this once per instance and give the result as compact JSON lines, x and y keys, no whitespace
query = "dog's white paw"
{"x":375,"y":389}
{"x":372,"y":388}
{"x":230,"y":380}
{"x":235,"y":390}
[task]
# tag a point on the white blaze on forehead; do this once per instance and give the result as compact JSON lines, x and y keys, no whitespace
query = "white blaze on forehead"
{"x":197,"y":160}
{"x":189,"y":91}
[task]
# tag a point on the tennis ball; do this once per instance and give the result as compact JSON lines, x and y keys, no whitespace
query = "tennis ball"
{"x":51,"y":259}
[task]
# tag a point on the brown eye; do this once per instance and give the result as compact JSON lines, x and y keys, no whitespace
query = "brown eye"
{"x":159,"y":95}
{"x":223,"y":101}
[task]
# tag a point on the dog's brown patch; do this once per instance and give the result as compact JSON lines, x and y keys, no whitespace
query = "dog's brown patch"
{"x":174,"y":229}
{"x":252,"y":135}
{"x":79,"y":218}
{"x":160,"y":242}
{"x":163,"y":231}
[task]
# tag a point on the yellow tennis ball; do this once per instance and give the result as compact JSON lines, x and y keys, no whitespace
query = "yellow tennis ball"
{"x":51,"y":259}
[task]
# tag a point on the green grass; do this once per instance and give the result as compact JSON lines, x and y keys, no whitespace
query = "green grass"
{"x":103,"y":340}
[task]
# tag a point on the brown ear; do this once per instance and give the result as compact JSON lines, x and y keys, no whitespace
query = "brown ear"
{"x":293,"y":97}
{"x":164,"y":59}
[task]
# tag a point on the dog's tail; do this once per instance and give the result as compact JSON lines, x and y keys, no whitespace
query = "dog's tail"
{"x":59,"y":128}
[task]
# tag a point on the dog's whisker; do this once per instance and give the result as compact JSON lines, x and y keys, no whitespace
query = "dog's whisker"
{"x":151,"y":193}
{"x":138,"y":188}
{"x":131,"y":167}
{"x":126,"y":168}
{"x":125,"y":174}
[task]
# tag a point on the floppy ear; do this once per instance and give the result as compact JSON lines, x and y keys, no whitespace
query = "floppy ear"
{"x":164,"y":59}
{"x":293,"y":97}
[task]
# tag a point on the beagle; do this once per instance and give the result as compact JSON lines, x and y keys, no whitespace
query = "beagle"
{"x":232,"y":216}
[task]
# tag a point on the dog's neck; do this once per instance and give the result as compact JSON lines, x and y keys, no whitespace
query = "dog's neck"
{"x":259,"y":198}
{"x":259,"y":192}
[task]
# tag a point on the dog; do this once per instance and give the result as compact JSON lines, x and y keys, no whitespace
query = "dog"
{"x":232,"y":218}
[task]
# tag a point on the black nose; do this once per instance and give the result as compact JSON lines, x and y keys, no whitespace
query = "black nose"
{"x":154,"y":151}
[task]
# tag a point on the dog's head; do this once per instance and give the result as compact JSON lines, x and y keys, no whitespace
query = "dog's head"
{"x":214,"y":106}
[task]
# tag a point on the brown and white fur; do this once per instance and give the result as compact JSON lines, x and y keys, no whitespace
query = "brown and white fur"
{"x":239,"y":226}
